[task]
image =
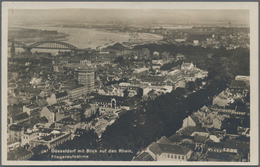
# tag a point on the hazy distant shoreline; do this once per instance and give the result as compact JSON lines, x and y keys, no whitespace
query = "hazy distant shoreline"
{"x":86,"y":37}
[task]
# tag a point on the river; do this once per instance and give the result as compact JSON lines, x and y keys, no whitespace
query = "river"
{"x":84,"y":38}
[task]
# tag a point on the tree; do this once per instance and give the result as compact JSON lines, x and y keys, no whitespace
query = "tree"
{"x":126,"y":92}
{"x":198,"y":82}
{"x":191,"y":86}
{"x":119,"y":59}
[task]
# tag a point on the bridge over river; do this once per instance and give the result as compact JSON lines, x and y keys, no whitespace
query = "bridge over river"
{"x":58,"y":45}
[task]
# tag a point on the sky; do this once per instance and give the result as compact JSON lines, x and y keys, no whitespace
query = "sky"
{"x":128,"y":16}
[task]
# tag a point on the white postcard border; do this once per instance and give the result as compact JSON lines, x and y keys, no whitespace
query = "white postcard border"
{"x":254,"y":124}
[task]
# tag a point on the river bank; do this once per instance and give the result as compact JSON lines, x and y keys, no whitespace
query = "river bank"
{"x":92,"y":38}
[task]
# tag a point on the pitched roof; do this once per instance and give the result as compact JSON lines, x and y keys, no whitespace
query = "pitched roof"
{"x":164,"y":140}
{"x":174,"y":149}
{"x":34,"y":121}
{"x":41,"y":102}
{"x":159,"y":148}
{"x":51,"y":108}
{"x":108,"y":98}
{"x":238,"y":83}
{"x":17,"y":127}
{"x":32,"y":106}
{"x":20,"y":116}
{"x":195,"y":119}
{"x":190,"y":129}
{"x":35,"y":97}
{"x":143,"y":157}
{"x":76,"y":86}
{"x":43,"y":120}
{"x":61,"y":94}
{"x":204,"y":108}
{"x":154,"y":147}
{"x":200,"y":139}
{"x":176,"y":138}
{"x":68,"y":121}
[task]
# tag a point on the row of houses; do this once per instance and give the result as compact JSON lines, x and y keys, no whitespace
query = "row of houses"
{"x":194,"y":142}
{"x":209,"y":134}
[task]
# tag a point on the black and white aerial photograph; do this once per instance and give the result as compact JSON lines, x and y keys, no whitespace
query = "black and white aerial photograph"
{"x":92,"y":83}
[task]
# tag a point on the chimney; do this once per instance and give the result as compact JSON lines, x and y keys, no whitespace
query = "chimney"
{"x":37,"y":97}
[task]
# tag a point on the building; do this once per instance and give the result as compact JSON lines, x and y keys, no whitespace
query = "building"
{"x":78,"y":91}
{"x":180,"y":57}
{"x":28,"y":136}
{"x":221,"y":100}
{"x":86,"y":76}
{"x":51,"y":99}
{"x":237,"y":85}
{"x":64,"y":61}
{"x":191,"y":120}
{"x":193,"y":131}
{"x":19,"y":154}
{"x":49,"y":113}
{"x":87,"y":109}
{"x":15,"y":132}
{"x":76,"y":114}
{"x":153,"y":80}
{"x":61,"y":96}
{"x":112,"y":90}
{"x":244,"y":78}
{"x":187,"y":66}
{"x":173,"y":77}
{"x":19,"y":118}
{"x":108,"y":104}
{"x":195,"y":42}
{"x":132,"y":90}
{"x":164,"y":150}
{"x":140,"y":70}
{"x":30,"y":107}
{"x":47,"y":131}
{"x":51,"y":141}
{"x":68,"y":124}
{"x":85,"y":62}
{"x":58,"y":68}
{"x":155,"y":53}
{"x":156,"y":66}
{"x":215,"y":147}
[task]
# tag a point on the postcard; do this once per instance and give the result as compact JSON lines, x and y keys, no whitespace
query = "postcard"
{"x":129,"y":83}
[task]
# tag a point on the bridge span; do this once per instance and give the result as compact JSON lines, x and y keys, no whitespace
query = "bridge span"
{"x":59,"y":45}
